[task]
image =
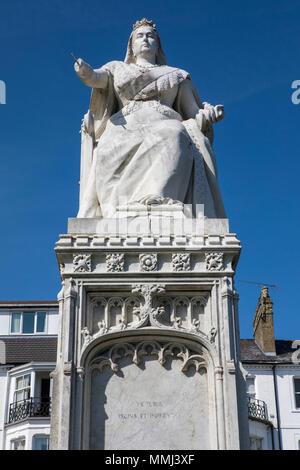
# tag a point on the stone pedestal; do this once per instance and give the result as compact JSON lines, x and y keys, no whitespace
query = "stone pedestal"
{"x":148,"y":352}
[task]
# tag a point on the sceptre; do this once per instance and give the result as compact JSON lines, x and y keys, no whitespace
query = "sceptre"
{"x":74,"y":58}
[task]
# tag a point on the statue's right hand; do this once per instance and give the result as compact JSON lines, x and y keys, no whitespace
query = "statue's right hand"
{"x":89,"y":76}
{"x":79,"y":65}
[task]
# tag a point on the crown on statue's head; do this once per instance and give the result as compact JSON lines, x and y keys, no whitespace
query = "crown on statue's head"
{"x":144,"y":22}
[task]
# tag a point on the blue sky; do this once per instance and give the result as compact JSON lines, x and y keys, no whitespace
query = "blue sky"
{"x":244,"y":55}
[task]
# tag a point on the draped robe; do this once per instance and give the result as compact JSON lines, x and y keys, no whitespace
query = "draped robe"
{"x":145,"y":142}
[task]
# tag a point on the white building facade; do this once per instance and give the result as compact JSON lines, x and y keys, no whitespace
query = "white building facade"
{"x":272,"y":373}
{"x":28,"y":343}
{"x":274,"y":396}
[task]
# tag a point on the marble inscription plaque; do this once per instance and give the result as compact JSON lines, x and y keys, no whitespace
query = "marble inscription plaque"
{"x":149,"y":406}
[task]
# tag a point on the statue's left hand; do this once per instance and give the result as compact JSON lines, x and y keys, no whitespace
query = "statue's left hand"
{"x":213,"y":113}
{"x":220,"y":112}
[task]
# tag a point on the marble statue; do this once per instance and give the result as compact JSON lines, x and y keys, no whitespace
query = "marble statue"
{"x":147,"y":137}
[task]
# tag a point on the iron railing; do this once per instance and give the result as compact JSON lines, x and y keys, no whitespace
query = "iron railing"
{"x":29,"y":408}
{"x":257,"y":409}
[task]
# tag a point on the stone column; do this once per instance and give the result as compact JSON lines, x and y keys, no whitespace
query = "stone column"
{"x":63,"y":375}
{"x":220,"y":408}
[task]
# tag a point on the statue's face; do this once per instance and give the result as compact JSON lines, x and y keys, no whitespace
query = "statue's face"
{"x":144,"y":42}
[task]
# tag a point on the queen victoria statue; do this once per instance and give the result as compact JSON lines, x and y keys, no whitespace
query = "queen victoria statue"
{"x":148,"y":335}
{"x":147,"y":137}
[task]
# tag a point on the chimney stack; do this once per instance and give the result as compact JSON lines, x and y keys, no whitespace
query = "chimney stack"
{"x":263,"y":328}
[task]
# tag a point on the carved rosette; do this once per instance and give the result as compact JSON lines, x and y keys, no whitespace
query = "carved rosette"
{"x":214,"y":261}
{"x":82,"y":263}
{"x":148,"y":262}
{"x":181,"y":262}
{"x":115,"y":262}
{"x":137,"y":353}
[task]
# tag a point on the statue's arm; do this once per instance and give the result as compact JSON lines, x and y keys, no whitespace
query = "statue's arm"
{"x":89,"y":76}
{"x":191,"y":106}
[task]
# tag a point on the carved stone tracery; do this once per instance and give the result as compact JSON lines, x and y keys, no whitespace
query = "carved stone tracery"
{"x":136,"y":352}
{"x":146,"y":306}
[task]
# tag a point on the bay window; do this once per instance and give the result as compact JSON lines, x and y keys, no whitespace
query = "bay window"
{"x":40,"y":442}
{"x":22,"y":390}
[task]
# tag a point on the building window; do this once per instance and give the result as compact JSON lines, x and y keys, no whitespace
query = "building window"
{"x":297,"y":391}
{"x":250,"y":387}
{"x":40,"y":442}
{"x":256,"y":443}
{"x":18,"y":444}
{"x":22,"y":391}
{"x":28,"y":323}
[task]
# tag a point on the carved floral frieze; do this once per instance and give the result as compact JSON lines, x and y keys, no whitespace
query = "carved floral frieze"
{"x":116,"y":262}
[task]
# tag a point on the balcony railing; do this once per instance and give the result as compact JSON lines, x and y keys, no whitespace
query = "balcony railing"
{"x":29,"y":408}
{"x":257,"y":409}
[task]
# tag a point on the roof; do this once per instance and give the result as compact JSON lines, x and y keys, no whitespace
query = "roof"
{"x":28,"y":302}
{"x":251,"y":352}
{"x":29,"y":349}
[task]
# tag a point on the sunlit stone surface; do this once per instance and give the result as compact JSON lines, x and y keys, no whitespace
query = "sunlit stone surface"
{"x":149,"y":407}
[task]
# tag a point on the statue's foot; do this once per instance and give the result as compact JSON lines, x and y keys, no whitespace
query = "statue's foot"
{"x":153,"y":199}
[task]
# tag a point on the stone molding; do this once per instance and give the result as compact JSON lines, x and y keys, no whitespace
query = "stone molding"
{"x":153,"y":241}
{"x":268,"y":366}
{"x":123,"y":263}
